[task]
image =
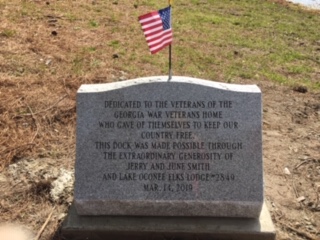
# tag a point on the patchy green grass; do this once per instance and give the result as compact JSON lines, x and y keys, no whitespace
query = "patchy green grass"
{"x":7,"y":33}
{"x":257,"y":40}
{"x":93,"y":23}
{"x":49,"y":48}
{"x":220,"y":40}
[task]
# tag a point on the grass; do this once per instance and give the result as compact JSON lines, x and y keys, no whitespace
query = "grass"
{"x":217,"y":40}
{"x":7,"y":33}
{"x":263,"y":35}
{"x":260,"y":31}
{"x":99,"y":41}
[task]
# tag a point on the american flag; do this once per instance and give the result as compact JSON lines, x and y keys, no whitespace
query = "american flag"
{"x":157,"y":29}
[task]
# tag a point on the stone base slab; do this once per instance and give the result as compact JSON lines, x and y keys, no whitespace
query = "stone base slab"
{"x":169,"y":208}
{"x":77,"y":227}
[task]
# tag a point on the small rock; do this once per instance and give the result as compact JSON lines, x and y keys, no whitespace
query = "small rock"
{"x":61,"y":216}
{"x":297,"y":224}
{"x":3,"y":178}
{"x":123,"y":73}
{"x":300,"y":89}
{"x":286,"y":171}
{"x":114,"y":56}
{"x":48,"y":61}
{"x":62,"y":187}
{"x":54,"y":33}
{"x":301,"y":199}
{"x":20,"y":69}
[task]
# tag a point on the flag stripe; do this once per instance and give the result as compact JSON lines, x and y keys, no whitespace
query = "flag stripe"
{"x":154,"y":35}
{"x":163,"y":41}
{"x":153,"y":29}
{"x":150,"y":25}
{"x":159,"y":39}
{"x":157,"y":29}
{"x":149,"y":19}
{"x":160,"y":48}
{"x":149,"y":15}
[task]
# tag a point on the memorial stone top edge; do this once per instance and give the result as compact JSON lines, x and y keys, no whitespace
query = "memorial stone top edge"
{"x":91,"y":88}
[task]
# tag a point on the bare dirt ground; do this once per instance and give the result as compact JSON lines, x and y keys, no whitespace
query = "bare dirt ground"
{"x":292,"y":161}
{"x":30,"y":190}
{"x":38,"y":84}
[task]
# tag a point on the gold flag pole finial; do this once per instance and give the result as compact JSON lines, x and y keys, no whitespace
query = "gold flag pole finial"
{"x":170,"y":2}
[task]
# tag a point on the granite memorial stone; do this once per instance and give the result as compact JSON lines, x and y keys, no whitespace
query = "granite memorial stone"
{"x":188,"y":147}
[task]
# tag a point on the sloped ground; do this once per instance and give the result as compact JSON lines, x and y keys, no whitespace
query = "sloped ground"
{"x":49,"y":48}
{"x":292,"y":161}
{"x":32,"y":187}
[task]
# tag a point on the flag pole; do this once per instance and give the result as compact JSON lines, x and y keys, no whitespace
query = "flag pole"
{"x":170,"y":63}
{"x":170,"y":51}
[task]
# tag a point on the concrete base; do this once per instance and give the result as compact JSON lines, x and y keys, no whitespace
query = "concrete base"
{"x":77,"y":227}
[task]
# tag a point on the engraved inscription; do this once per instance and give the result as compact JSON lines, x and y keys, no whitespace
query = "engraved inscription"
{"x":167,"y":155}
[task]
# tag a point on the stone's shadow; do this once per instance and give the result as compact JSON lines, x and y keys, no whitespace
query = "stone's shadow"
{"x":77,"y":227}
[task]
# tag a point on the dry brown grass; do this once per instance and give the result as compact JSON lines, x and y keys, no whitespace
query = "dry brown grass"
{"x":49,"y":48}
{"x":47,"y":51}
